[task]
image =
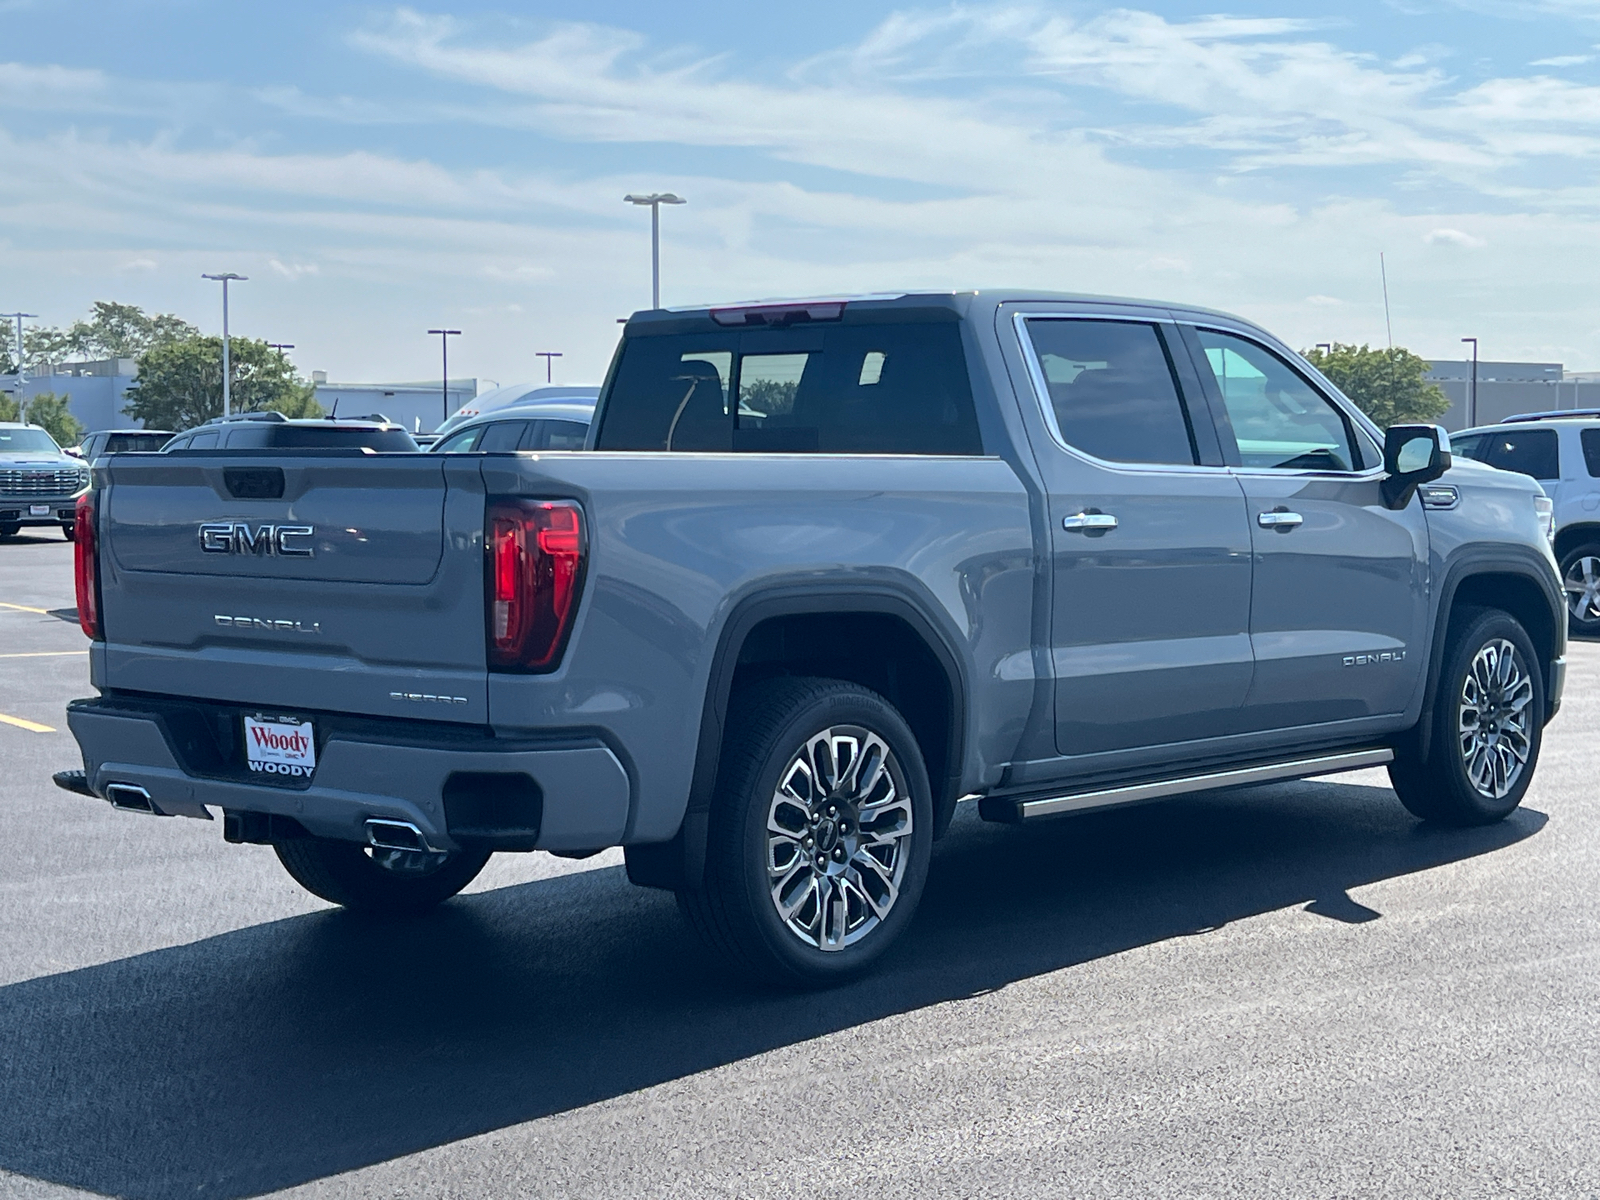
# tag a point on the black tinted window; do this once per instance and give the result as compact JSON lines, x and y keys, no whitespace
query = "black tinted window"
{"x":265,"y":436}
{"x":1532,"y":452}
{"x":117,"y":443}
{"x":558,"y":435}
{"x":839,"y":389}
{"x":202,"y":441}
{"x":1111,"y":390}
{"x":1591,"y":450}
{"x":503,"y":435}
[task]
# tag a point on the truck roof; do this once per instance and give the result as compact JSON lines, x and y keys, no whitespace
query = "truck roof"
{"x":959,"y":302}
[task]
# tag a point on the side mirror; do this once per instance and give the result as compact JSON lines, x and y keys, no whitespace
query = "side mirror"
{"x":1412,"y":456}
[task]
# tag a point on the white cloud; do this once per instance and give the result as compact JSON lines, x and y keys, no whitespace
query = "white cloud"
{"x":1452,"y":237}
{"x":1562,"y":60}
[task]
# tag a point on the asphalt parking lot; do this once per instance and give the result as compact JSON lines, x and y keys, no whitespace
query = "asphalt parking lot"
{"x":1293,"y":990}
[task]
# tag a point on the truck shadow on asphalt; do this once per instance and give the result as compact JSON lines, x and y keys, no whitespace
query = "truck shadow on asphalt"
{"x":302,"y":1048}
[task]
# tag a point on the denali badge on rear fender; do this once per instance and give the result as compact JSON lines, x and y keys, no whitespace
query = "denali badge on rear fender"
{"x":235,"y":537}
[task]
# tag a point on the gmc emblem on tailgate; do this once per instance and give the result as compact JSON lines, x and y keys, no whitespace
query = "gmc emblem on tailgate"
{"x":235,"y":537}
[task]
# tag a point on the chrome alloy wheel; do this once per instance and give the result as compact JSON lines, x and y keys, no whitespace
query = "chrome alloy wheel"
{"x":838,"y":837}
{"x":1495,"y":720}
{"x":1582,"y":584}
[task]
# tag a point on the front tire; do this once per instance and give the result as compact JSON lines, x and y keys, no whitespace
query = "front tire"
{"x":69,"y":530}
{"x":1580,"y":577}
{"x":391,"y":883}
{"x":9,"y":529}
{"x":1488,"y":726}
{"x":821,"y":832}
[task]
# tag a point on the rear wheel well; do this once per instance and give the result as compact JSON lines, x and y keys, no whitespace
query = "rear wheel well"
{"x":879,"y":651}
{"x":1573,"y":536}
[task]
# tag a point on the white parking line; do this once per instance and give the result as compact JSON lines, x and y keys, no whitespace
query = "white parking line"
{"x":43,"y":653}
{"x":24,"y":608}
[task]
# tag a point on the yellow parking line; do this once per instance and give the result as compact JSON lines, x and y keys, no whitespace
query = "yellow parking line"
{"x":43,"y":653}
{"x":30,"y":726}
{"x":24,"y":608}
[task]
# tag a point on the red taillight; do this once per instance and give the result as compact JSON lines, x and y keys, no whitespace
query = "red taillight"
{"x":535,"y":566}
{"x":86,"y":565}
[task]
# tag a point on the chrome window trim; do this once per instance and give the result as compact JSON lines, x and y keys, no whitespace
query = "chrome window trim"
{"x":1041,"y":389}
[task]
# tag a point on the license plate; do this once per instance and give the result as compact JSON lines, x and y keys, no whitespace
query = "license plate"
{"x":280,"y":746}
{"x":38,"y":510}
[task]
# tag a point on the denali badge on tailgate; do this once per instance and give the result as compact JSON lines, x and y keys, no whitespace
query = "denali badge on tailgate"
{"x":235,"y":537}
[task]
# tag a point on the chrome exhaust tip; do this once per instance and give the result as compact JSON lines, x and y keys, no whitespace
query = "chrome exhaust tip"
{"x":396,"y":835}
{"x":130,"y":797}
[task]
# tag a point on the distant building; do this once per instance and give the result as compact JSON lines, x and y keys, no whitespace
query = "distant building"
{"x":418,"y":406}
{"x":96,"y":391}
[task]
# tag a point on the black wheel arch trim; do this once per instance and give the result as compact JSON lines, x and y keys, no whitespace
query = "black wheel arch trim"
{"x":1501,"y":560}
{"x":681,"y":861}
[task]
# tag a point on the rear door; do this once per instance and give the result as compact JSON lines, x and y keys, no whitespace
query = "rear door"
{"x":1339,"y":595}
{"x":331,"y":580}
{"x":1150,"y":548}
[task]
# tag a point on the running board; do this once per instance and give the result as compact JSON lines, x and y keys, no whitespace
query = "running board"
{"x":1016,"y":810}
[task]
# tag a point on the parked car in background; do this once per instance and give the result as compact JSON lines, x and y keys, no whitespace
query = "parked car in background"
{"x":1562,"y":451}
{"x":39,"y":482}
{"x":541,"y":426}
{"x":517,"y":395}
{"x":274,"y":431}
{"x":121,"y":441}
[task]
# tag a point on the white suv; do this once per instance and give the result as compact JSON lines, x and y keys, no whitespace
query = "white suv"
{"x":1562,"y":451}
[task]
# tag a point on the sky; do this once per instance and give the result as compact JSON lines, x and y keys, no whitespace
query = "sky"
{"x":378,"y":171}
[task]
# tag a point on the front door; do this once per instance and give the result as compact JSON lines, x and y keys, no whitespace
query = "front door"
{"x":1339,"y":599}
{"x":1150,"y":546}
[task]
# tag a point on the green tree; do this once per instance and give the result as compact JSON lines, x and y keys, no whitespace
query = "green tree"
{"x":49,"y":411}
{"x":111,"y":331}
{"x":1386,"y":384}
{"x":180,"y":383}
{"x":8,"y":408}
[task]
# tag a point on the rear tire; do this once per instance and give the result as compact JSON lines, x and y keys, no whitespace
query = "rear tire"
{"x":1488,"y":725}
{"x":1580,"y":576}
{"x":821,"y":832}
{"x":392,"y":883}
{"x":9,"y":530}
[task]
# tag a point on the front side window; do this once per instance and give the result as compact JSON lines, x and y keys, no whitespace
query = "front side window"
{"x":1279,"y":420}
{"x":460,"y":443}
{"x":840,"y":389}
{"x":1532,"y":452}
{"x":1111,"y":390}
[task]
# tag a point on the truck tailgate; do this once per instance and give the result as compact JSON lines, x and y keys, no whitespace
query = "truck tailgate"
{"x":339,"y":582}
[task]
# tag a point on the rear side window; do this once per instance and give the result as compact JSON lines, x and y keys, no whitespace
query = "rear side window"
{"x":558,"y":435}
{"x":503,"y":435}
{"x":842,"y":389}
{"x":1470,"y":446}
{"x":1111,"y":390}
{"x":1590,"y":439}
{"x":1534,"y":452}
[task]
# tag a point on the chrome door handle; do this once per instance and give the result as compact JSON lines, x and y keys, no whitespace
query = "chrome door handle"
{"x":1088,"y":522}
{"x":1279,"y":520}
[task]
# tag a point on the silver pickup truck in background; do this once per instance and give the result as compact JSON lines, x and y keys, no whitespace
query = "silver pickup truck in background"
{"x":825,"y":569}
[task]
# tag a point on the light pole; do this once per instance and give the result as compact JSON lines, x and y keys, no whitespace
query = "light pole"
{"x":19,"y":317}
{"x":227,"y":364}
{"x":1472,"y":396}
{"x":654,"y":201}
{"x":444,"y":349}
{"x":1326,"y":347}
{"x":280,"y":347}
{"x":548,"y":356}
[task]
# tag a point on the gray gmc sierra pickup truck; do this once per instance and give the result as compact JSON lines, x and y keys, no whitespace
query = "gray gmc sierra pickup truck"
{"x":825,"y":569}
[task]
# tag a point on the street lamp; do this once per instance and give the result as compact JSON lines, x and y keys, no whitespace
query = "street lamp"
{"x":655,"y":200}
{"x":1325,"y":346}
{"x":227,"y":365}
{"x":444,"y":349}
{"x":19,"y":317}
{"x":1472,"y":396}
{"x":549,"y":356}
{"x":280,"y":347}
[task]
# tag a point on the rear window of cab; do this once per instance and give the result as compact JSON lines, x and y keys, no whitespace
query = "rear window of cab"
{"x":839,"y":389}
